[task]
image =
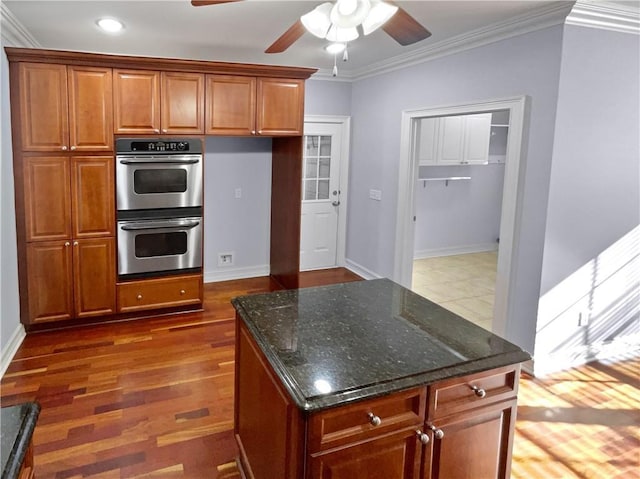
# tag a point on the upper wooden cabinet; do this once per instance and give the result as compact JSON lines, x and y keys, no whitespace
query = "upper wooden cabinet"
{"x":158,"y":102}
{"x":238,"y":105}
{"x":65,"y":108}
{"x":280,"y":108}
{"x":231,"y":105}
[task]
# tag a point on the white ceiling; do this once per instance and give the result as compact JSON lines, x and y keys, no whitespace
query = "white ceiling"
{"x":240,"y":31}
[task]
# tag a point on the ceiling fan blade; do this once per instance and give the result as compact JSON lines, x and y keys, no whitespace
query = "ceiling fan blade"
{"x":202,"y":3}
{"x":404,"y":29}
{"x":287,"y":39}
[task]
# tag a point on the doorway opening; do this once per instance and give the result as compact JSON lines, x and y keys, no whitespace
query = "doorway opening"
{"x":450,"y":163}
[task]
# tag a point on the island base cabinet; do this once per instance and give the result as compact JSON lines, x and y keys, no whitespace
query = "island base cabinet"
{"x":396,"y":456}
{"x":475,"y":444}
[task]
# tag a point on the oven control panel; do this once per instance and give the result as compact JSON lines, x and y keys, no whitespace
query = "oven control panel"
{"x":155,"y":145}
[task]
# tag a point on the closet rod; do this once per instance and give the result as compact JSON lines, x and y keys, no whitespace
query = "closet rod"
{"x":445,"y":179}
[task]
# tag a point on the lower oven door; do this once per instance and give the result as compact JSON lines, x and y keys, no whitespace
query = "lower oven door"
{"x":159,"y":245}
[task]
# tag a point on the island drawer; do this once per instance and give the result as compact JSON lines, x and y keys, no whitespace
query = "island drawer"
{"x":366,"y":419}
{"x":467,"y":392}
{"x":169,"y":292}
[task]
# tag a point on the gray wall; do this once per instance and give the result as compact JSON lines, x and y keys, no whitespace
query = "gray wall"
{"x":327,"y":97}
{"x":9,"y":305}
{"x":592,"y":243}
{"x":524,"y":65}
{"x":463,"y":216}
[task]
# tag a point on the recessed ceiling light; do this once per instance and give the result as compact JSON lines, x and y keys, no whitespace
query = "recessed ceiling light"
{"x":334,"y":48}
{"x":110,"y":25}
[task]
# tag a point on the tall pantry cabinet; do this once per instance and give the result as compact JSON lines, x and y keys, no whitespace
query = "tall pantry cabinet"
{"x":66,"y":213}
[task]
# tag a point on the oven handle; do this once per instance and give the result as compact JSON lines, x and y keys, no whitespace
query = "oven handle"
{"x":160,"y":224}
{"x":151,"y":161}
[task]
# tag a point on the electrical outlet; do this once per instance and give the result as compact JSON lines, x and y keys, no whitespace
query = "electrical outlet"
{"x":225,"y":259}
{"x":238,"y":192}
{"x":375,"y":195}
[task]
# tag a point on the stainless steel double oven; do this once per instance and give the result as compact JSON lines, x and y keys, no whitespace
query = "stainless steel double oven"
{"x":159,"y":203}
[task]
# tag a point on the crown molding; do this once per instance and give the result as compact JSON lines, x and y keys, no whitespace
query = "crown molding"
{"x":546,"y":16}
{"x":611,"y":16}
{"x":12,"y":32}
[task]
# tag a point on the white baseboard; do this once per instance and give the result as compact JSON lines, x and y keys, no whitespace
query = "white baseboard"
{"x":474,"y":248}
{"x":548,"y":363}
{"x":228,"y":274}
{"x":361,"y":270}
{"x":12,"y":348}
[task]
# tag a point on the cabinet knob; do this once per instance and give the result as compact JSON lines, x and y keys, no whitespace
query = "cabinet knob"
{"x":424,"y":438}
{"x":373,"y":419}
{"x":437,"y":433}
{"x":156,"y":130}
{"x":67,"y":243}
{"x":253,"y":132}
{"x":164,"y":131}
{"x":478,"y":391}
{"x":73,"y":148}
{"x":64,"y":148}
{"x":75,"y":243}
{"x":139,"y":297}
{"x":182,"y":292}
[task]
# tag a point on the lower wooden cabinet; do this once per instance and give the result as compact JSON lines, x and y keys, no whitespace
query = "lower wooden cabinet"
{"x":458,"y":428}
{"x":71,"y":278}
{"x":167,"y":292}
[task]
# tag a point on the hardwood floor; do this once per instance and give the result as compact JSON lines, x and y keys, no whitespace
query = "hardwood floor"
{"x":153,"y":398}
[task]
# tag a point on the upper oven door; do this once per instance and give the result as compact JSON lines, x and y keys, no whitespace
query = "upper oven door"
{"x":162,"y":181}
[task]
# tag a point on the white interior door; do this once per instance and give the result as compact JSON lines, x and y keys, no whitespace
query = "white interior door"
{"x":321,"y":193}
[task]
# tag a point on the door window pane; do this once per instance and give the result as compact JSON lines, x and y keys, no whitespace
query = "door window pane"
{"x":317,"y":167}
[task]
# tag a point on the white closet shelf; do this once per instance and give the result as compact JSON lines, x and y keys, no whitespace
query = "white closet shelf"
{"x":446,"y":179}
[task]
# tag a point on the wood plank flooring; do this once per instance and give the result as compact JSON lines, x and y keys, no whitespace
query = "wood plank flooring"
{"x":153,"y":398}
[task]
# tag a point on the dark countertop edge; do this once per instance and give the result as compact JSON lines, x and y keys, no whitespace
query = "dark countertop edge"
{"x":20,"y":446}
{"x":318,"y":403}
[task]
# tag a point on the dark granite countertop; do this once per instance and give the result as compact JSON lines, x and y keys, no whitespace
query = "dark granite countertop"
{"x":334,"y":344}
{"x":17,"y":424}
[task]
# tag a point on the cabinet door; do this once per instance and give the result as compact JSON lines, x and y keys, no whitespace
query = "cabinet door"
{"x":182,"y":109}
{"x":451,"y":140}
{"x":50,"y":281}
{"x":93,"y":203}
{"x":280,"y":107}
{"x":231,"y":105}
{"x":136,"y":101}
{"x":427,"y":142}
{"x":90,"y":109}
{"x":47,"y":198}
{"x":94,"y":277}
{"x":475,"y":444}
{"x":43,"y":107}
{"x":396,"y":456}
{"x":477,"y":133}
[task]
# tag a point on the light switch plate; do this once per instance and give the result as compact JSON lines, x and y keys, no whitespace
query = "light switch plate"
{"x":375,"y":195}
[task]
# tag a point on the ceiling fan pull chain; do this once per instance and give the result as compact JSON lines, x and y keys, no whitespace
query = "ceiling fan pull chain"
{"x":345,"y":54}
{"x":335,"y":66}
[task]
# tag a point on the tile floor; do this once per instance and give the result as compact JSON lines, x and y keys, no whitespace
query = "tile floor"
{"x":464,"y":284}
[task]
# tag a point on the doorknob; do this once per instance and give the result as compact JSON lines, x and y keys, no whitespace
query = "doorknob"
{"x":335,"y":203}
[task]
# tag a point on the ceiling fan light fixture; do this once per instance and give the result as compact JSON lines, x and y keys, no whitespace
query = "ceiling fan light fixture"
{"x":349,"y":13}
{"x":379,"y":14}
{"x":335,"y":48}
{"x":342,"y":35}
{"x":318,"y":20}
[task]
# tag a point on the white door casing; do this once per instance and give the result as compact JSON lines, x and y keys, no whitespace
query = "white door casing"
{"x":511,"y":202}
{"x":323,"y":222}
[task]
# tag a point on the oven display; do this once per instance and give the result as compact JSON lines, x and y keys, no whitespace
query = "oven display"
{"x":161,"y":146}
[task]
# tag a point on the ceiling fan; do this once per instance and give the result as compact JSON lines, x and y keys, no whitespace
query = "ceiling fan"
{"x":338,"y":22}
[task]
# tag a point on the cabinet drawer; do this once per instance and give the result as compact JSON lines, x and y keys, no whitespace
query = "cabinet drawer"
{"x":159,"y":293}
{"x":459,"y":394}
{"x":335,"y":427}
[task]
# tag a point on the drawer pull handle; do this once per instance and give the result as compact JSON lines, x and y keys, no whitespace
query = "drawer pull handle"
{"x":424,"y":438}
{"x":478,"y":391}
{"x":374,"y":420}
{"x":139,"y":297}
{"x":182,"y":292}
{"x":437,"y":433}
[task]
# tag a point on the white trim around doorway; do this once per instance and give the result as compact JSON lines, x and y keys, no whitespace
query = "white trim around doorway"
{"x":511,"y":198}
{"x":345,"y":124}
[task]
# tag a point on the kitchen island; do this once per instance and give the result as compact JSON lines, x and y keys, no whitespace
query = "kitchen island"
{"x":368,"y":379}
